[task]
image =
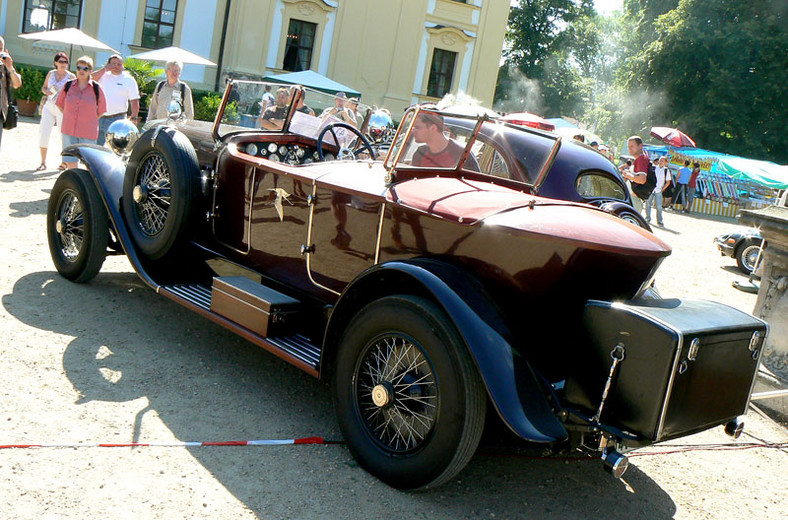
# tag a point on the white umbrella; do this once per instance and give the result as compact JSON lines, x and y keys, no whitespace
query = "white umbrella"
{"x":173,"y":54}
{"x":71,"y":36}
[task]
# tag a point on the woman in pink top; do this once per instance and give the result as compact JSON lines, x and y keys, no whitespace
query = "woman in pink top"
{"x":82,"y":102}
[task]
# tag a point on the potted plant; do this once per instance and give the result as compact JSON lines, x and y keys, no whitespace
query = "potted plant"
{"x":29,"y":94}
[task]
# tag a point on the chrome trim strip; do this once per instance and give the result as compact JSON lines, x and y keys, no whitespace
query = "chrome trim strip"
{"x":757,"y":364}
{"x":380,"y":233}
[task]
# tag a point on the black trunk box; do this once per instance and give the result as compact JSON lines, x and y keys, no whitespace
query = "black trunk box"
{"x":689,"y":365}
{"x":258,"y":308}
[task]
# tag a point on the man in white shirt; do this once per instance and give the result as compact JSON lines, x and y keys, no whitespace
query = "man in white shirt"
{"x":121,"y":91}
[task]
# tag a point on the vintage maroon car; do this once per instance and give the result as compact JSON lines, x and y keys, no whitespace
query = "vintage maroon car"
{"x":426,"y":287}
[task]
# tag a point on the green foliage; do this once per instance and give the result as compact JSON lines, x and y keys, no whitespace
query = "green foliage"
{"x":32,"y":81}
{"x":145,"y":75}
{"x":538,"y":74}
{"x":207,"y":106}
{"x":722,"y":69}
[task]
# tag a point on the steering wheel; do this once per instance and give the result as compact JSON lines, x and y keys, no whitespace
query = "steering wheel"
{"x":344,"y":152}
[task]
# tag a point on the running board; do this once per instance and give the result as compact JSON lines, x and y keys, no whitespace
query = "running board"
{"x":294,"y":348}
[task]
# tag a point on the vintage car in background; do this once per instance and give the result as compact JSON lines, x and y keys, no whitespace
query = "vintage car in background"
{"x":426,"y":287}
{"x":744,"y":245}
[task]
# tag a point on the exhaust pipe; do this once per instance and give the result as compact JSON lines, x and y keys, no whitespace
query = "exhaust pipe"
{"x":734,"y":428}
{"x":615,"y":463}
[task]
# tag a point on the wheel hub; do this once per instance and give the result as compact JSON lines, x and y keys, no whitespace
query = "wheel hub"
{"x":382,"y":395}
{"x":140,"y":194}
{"x":60,"y":226}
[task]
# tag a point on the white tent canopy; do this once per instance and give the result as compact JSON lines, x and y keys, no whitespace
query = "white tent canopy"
{"x":71,"y":36}
{"x":173,"y":54}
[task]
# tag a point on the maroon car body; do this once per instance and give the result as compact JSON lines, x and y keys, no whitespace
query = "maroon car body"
{"x":423,"y":294}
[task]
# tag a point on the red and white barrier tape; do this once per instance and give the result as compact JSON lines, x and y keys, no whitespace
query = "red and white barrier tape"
{"x":182,"y":444}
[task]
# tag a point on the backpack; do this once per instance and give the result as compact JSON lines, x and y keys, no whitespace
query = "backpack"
{"x":643,"y":191}
{"x":161,"y":84}
{"x":95,"y":89}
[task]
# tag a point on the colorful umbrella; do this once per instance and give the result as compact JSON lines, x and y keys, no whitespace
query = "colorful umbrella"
{"x":528,"y":119}
{"x":672,"y":136}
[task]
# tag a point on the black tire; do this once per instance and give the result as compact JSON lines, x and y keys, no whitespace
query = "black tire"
{"x":163,"y":174}
{"x":424,"y":438}
{"x":77,"y":226}
{"x":747,"y":254}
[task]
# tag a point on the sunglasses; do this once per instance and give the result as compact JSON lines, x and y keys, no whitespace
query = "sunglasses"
{"x":63,"y":61}
{"x":83,"y":67}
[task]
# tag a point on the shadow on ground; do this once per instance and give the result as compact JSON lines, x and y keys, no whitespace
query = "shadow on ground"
{"x":207,"y":384}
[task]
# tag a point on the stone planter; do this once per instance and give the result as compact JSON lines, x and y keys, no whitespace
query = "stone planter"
{"x":772,"y":303}
{"x":26,"y":108}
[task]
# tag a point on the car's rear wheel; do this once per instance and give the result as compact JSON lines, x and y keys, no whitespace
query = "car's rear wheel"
{"x":409,"y":400}
{"x":747,"y":255}
{"x":77,"y":226}
{"x":159,"y":189}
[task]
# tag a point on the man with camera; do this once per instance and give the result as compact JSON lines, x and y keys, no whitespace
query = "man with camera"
{"x":9,"y":79}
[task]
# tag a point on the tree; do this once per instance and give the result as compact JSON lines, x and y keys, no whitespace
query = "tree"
{"x":538,"y":73}
{"x":723,"y":69}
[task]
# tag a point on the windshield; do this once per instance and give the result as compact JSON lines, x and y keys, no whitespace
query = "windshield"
{"x":274,"y":107}
{"x":432,"y":139}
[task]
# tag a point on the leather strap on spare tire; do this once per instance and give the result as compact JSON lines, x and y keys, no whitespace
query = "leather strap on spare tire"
{"x":159,"y":191}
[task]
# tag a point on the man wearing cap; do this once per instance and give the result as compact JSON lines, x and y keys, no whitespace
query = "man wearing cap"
{"x":339,"y":110}
{"x":438,"y":151}
{"x":121,"y":91}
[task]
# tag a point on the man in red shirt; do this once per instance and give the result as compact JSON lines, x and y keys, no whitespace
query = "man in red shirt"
{"x":639,"y":172}
{"x":438,"y":151}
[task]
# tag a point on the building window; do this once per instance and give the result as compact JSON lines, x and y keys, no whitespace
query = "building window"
{"x":298,"y":49}
{"x":441,"y":73}
{"x":159,"y":24}
{"x":46,"y":15}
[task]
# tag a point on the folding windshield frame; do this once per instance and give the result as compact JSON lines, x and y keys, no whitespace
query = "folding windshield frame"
{"x":397,"y":151}
{"x":403,"y":136}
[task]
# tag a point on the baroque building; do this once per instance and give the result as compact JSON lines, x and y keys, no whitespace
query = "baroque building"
{"x":396,"y":52}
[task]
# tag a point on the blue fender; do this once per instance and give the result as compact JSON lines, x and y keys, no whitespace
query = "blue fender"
{"x":510,"y":381}
{"x":108,"y":172}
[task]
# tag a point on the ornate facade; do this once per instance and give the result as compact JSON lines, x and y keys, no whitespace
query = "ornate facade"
{"x":396,"y":52}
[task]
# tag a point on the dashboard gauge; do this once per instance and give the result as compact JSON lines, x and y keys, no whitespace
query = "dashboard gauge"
{"x":300,"y":152}
{"x":329,"y":157}
{"x":272,"y":147}
{"x":315,"y":156}
{"x":274,"y":157}
{"x":283,"y":150}
{"x":308,"y":160}
{"x":251,"y":149}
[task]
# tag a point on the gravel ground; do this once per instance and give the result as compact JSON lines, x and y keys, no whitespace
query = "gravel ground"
{"x":112,"y":362}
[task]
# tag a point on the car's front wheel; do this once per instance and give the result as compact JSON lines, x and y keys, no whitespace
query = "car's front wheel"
{"x":159,"y":191}
{"x":409,"y":399}
{"x":77,"y":226}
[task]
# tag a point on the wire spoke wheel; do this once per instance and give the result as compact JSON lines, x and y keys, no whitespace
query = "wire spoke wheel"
{"x":77,"y":226}
{"x":152,"y":194}
{"x":71,"y":223}
{"x":409,"y":400}
{"x":396,"y":393}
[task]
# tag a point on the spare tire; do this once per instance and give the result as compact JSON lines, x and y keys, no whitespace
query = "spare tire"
{"x":161,"y":183}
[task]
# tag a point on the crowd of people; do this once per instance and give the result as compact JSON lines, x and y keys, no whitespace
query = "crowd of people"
{"x":274,"y":108}
{"x":84,"y":103}
{"x":654,"y":185}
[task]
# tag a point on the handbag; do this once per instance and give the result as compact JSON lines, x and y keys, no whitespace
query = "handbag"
{"x":11,"y":117}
